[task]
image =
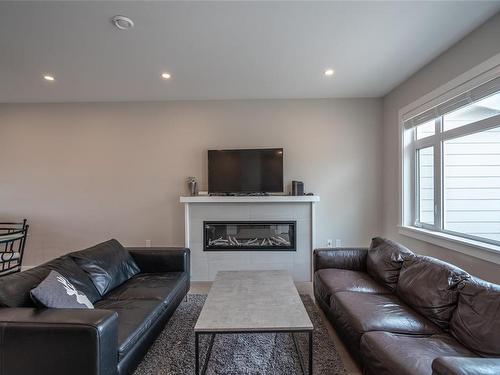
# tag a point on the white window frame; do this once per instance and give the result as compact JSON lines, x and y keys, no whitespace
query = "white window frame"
{"x":408,"y":183}
{"x":436,"y":141}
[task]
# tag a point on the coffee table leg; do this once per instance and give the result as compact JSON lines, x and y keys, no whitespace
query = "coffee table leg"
{"x":209,"y":353}
{"x":310,"y":353}
{"x":196,"y":354}
{"x":301,"y":356}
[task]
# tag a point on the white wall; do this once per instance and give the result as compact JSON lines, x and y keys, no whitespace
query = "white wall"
{"x":477,"y":47}
{"x":83,"y":173}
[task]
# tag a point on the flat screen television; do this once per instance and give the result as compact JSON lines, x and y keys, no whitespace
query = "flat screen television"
{"x":245,"y":171}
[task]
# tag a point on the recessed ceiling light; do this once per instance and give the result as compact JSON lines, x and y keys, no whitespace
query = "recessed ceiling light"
{"x":329,"y":72}
{"x":165,"y":75}
{"x":49,"y":78}
{"x":122,"y":22}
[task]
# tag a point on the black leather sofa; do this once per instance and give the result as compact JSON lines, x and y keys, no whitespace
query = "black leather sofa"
{"x":405,"y":314}
{"x":110,"y":339}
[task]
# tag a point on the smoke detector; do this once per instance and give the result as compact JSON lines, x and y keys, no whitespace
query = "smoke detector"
{"x":122,"y":22}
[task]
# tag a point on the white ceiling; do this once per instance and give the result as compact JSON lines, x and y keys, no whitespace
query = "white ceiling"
{"x":222,"y":50}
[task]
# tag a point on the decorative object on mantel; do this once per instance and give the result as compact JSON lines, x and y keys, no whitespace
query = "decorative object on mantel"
{"x":193,"y":185}
{"x":12,"y":242}
{"x":297,"y":188}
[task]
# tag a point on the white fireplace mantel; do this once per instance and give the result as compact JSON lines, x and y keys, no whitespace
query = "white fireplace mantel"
{"x":271,"y":207}
{"x":250,"y":199}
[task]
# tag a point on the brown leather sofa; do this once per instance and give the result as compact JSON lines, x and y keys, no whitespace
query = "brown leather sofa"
{"x":400,"y":313}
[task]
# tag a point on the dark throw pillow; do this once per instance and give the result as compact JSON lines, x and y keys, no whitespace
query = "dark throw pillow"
{"x":107,"y":264}
{"x":55,"y":291}
{"x":384,"y":261}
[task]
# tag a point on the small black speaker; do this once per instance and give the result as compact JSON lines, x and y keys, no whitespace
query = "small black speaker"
{"x":297,"y":188}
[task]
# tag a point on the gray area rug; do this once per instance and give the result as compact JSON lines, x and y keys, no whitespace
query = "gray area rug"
{"x":263,"y":354}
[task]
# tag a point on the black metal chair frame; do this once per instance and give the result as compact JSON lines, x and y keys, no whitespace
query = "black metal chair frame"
{"x":12,"y":239}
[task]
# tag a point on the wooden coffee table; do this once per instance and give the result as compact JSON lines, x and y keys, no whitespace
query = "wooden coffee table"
{"x":253,"y":302}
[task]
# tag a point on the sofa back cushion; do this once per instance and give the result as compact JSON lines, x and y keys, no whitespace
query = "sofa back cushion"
{"x":384,"y":261}
{"x":476,"y":320}
{"x":107,"y":264}
{"x":429,"y":286}
{"x":15,"y":288}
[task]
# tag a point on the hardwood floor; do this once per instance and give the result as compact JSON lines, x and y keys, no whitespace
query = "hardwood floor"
{"x":303,"y":288}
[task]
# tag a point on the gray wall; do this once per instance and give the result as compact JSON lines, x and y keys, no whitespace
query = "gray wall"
{"x":477,"y":47}
{"x":83,"y":173}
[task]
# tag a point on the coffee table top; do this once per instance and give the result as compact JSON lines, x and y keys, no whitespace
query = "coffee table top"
{"x":260,"y":301}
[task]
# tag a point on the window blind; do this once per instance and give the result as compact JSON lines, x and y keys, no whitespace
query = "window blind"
{"x":455,"y":103}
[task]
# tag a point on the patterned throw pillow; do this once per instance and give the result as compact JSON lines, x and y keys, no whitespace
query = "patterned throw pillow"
{"x":57,"y":292}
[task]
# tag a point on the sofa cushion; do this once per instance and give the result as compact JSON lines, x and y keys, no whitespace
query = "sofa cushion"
{"x":151,"y":286}
{"x":452,"y":365}
{"x":384,"y":261}
{"x":56,"y":291}
{"x":15,"y":288}
{"x":357,"y":313}
{"x":108,"y":265}
{"x":430,"y":287}
{"x":135,"y":317}
{"x":387,"y":353}
{"x":476,"y":320}
{"x":331,"y":280}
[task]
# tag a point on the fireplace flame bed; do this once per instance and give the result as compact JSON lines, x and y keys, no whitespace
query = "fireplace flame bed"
{"x":249,"y":235}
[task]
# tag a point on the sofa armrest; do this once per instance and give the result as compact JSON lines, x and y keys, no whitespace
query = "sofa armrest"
{"x":465,"y":366}
{"x":161,"y":259}
{"x":349,"y":258}
{"x":58,"y":341}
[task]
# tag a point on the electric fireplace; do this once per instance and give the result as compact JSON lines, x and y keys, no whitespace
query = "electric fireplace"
{"x":249,"y":235}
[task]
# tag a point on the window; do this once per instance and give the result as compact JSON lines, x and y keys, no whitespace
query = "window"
{"x":471,"y":202}
{"x":426,"y":130}
{"x":452,"y":157}
{"x":426,"y":185}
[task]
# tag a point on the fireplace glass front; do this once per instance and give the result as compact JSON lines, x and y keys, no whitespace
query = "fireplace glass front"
{"x":249,"y":235}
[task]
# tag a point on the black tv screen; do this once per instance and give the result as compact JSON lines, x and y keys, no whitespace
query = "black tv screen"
{"x":245,"y":171}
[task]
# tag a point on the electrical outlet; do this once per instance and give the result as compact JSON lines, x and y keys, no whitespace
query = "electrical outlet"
{"x":329,"y":243}
{"x":148,"y":243}
{"x":338,"y":242}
